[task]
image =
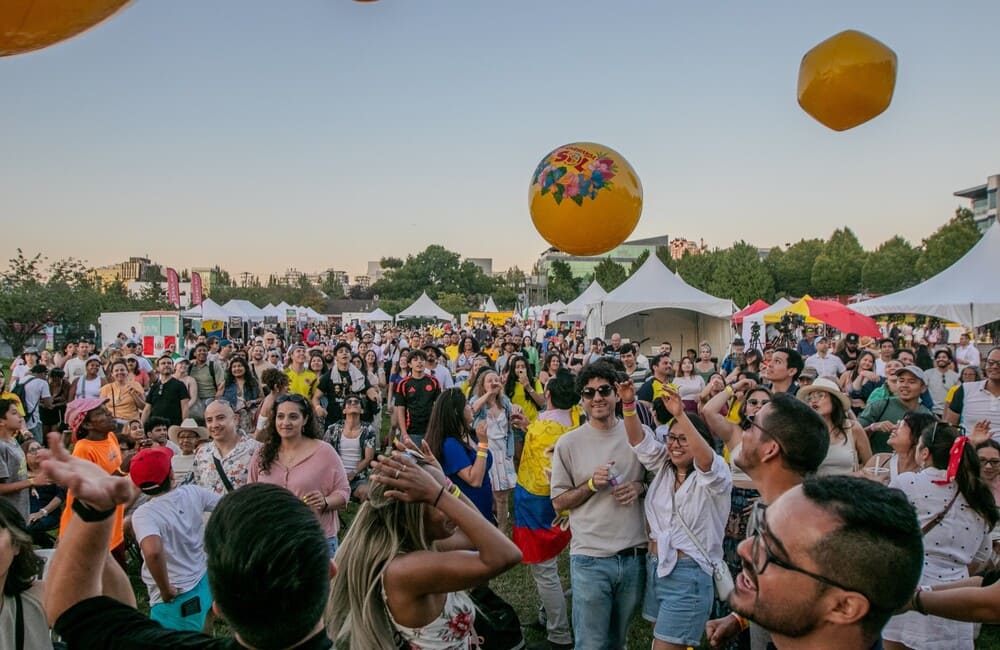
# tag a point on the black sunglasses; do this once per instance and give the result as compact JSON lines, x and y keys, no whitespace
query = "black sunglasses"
{"x":603,"y":390}
{"x":291,"y":397}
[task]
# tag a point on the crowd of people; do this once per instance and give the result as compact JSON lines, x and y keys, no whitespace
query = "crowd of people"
{"x":803,"y":496}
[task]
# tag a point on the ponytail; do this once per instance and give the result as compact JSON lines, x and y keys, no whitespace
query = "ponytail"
{"x":941,"y":440}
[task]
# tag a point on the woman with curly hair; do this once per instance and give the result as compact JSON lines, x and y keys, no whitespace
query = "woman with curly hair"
{"x":295,"y":457}
{"x":407,"y":562}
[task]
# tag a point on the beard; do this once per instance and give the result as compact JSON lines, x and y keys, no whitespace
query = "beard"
{"x":792,"y":618}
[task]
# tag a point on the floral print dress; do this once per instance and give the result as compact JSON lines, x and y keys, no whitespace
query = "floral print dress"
{"x":451,"y":630}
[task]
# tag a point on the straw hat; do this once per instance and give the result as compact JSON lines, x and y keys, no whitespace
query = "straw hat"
{"x":827,"y":386}
{"x":188,"y":424}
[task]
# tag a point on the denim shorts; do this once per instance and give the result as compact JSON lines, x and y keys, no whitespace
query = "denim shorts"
{"x":187,"y":611}
{"x":679,"y":604}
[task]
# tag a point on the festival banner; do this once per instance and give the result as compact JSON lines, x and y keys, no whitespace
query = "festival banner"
{"x":196,"y":297}
{"x":173,"y":288}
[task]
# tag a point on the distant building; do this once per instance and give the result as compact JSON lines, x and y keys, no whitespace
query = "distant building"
{"x":128,"y":271}
{"x":209,"y":278}
{"x":375,"y":271}
{"x":484,"y":263}
{"x":984,"y":201}
{"x":624,"y":254}
{"x":362,"y":281}
{"x":679,"y":246}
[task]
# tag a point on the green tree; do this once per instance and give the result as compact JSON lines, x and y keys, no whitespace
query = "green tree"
{"x":455,"y":303}
{"x":153,"y":296}
{"x":637,"y":263}
{"x":950,"y":242}
{"x":890,"y":267}
{"x":390,"y":263}
{"x":561,"y":283}
{"x":609,"y":274}
{"x":332,"y":286}
{"x":437,"y":271}
{"x":741,"y":276}
{"x":838,"y":268}
{"x":792,"y":269}
{"x":508,"y":287}
{"x":697,"y":269}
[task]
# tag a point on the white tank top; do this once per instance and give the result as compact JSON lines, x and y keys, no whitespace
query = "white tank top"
{"x":88,"y":387}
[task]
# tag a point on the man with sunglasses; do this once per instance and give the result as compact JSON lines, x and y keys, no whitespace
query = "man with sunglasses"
{"x":598,"y":479}
{"x":979,"y":401}
{"x":835,"y":582}
{"x":786,"y":440}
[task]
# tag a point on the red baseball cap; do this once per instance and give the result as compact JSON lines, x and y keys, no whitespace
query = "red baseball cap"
{"x":150,"y":467}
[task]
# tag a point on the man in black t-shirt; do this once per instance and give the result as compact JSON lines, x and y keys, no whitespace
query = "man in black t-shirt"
{"x":415,"y":397}
{"x":342,"y":381}
{"x":167,"y":397}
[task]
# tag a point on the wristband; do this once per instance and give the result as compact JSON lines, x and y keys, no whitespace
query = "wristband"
{"x":90,"y":515}
{"x":456,"y":492}
{"x":628,"y":413}
{"x":729,"y":389}
{"x":434,"y":505}
{"x":744,"y":624}
{"x":481,"y":454}
{"x":628,"y":405}
{"x":483,"y":445}
{"x":917,"y":607}
{"x":45,"y":513}
{"x":590,"y":484}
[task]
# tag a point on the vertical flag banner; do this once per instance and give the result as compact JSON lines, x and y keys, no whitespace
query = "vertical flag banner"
{"x":196,"y":297}
{"x":173,"y":288}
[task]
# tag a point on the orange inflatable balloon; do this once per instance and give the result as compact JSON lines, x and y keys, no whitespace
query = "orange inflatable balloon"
{"x":585,"y":198}
{"x":847,"y":80}
{"x":27,"y":25}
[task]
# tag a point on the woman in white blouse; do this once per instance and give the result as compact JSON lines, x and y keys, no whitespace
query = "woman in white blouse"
{"x":696,"y":481}
{"x":956,"y":510}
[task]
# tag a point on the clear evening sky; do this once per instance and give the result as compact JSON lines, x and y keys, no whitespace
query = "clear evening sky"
{"x":261,"y":135}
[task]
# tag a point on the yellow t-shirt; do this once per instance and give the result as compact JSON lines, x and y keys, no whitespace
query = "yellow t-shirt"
{"x":451,"y":352}
{"x":521,"y":398}
{"x":303,"y":383}
{"x":535,"y":471}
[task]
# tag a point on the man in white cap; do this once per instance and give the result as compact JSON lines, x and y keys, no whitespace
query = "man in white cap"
{"x":826,"y":364}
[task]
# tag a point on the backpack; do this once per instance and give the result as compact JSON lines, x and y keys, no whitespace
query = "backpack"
{"x":21,"y":394}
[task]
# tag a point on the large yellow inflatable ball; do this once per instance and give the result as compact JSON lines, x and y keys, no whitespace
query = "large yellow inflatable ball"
{"x":847,"y":80}
{"x":27,"y":25}
{"x":585,"y":198}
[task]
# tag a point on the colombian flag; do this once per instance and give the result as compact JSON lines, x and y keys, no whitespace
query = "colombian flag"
{"x":534,"y":530}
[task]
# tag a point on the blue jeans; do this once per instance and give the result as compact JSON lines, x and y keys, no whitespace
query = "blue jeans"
{"x":606,"y":593}
{"x":333,"y":543}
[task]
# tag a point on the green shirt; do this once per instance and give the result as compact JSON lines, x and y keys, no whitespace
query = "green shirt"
{"x":890,"y":409}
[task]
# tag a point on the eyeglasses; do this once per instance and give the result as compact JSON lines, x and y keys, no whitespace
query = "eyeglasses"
{"x":985,"y":462}
{"x":817,"y":396}
{"x":753,"y":422}
{"x":758,"y":402}
{"x":680,"y":440}
{"x":603,"y":390}
{"x":759,"y":540}
{"x":352,"y":401}
{"x":35,"y":450}
{"x":992,"y":363}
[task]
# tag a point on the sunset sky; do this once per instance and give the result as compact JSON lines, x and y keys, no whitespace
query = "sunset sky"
{"x":324,"y":133}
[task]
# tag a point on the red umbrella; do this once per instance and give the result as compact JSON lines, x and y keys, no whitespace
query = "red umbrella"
{"x":753,"y":308}
{"x":843,"y":318}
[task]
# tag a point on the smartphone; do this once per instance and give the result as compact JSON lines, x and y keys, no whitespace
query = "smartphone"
{"x":416,"y":456}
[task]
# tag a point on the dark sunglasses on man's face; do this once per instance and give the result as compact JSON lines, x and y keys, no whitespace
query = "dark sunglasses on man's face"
{"x":603,"y":390}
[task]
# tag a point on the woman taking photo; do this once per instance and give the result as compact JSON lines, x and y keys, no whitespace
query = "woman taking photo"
{"x":355,"y":442}
{"x":689,"y":384}
{"x":956,"y":511}
{"x":52,"y":417}
{"x":493,"y":412}
{"x":242,"y":392}
{"x":884,"y":466}
{"x":522,"y":389}
{"x":294,"y":457}
{"x":464,"y":456}
{"x":404,"y":567}
{"x":687,"y":506}
{"x":125,"y":395}
{"x":849,"y":446}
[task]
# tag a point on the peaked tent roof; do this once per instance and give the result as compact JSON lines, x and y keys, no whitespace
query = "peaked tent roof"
{"x":490,"y":306}
{"x":209,"y":310}
{"x":752,"y":308}
{"x":377,"y":316}
{"x":424,"y":307}
{"x":246,"y":308}
{"x":271,"y":310}
{"x":654,"y":286}
{"x":577,"y":309}
{"x":965,"y":292}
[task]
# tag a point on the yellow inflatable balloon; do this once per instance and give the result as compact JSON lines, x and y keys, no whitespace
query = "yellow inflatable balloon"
{"x":847,"y":80}
{"x":27,"y":25}
{"x":585,"y":198}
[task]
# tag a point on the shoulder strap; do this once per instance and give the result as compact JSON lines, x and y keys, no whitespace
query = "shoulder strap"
{"x":18,"y":623}
{"x":222,"y":474}
{"x":687,"y":529}
{"x":939,"y":517}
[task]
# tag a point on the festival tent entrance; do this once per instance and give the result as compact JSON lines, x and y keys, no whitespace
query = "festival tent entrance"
{"x":246,"y":309}
{"x":965,"y":292}
{"x":577,"y":309}
{"x":656,"y":304}
{"x":424,"y":307}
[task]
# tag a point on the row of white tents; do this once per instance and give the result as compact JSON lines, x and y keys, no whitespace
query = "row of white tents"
{"x":655,"y":304}
{"x":249,"y":312}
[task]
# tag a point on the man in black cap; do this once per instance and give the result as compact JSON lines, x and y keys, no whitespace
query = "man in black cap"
{"x":806,"y":346}
{"x":849,"y":352}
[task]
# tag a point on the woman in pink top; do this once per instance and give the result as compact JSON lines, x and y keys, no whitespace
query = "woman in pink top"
{"x":294,"y":457}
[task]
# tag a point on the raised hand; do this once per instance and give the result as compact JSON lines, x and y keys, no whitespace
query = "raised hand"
{"x":626,"y":391}
{"x":672,"y":400}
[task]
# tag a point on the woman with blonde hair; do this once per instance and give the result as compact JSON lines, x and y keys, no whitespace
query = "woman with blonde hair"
{"x":402,"y":571}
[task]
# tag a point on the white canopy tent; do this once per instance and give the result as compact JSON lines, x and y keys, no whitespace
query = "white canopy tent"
{"x":377,"y":316}
{"x":424,"y":307}
{"x":965,"y":292}
{"x":272,"y":311}
{"x":577,"y":309}
{"x":780,"y":305}
{"x":246,"y":309}
{"x":657,"y":304}
{"x":209,"y":310}
{"x":489,"y":306}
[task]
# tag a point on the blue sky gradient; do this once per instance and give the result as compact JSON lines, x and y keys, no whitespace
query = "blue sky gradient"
{"x":316,"y":134}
